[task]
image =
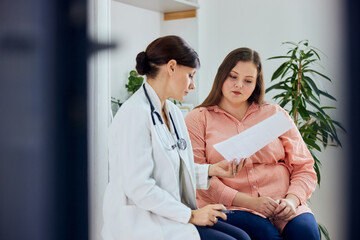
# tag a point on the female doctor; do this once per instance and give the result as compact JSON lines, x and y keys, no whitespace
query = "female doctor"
{"x":153,"y":177}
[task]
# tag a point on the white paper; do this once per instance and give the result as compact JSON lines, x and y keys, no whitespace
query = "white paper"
{"x":253,"y":139}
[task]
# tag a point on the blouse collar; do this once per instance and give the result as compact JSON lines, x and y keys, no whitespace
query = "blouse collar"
{"x":252,"y":108}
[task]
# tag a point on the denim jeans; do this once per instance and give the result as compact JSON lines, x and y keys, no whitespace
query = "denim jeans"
{"x":301,"y":227}
{"x":222,"y":231}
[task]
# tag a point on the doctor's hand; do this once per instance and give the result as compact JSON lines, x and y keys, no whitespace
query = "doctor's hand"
{"x":226,"y":169}
{"x":207,"y":216}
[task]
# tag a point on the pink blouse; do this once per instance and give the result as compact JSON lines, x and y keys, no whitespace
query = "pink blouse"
{"x":284,"y":166}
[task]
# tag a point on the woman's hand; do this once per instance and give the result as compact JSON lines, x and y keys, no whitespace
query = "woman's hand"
{"x":265,"y":206}
{"x":225,"y":168}
{"x":207,"y":216}
{"x":287,"y":208}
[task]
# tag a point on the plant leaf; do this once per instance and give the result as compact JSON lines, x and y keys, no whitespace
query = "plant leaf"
{"x":279,"y":71}
{"x":279,"y":85}
{"x":312,"y":143}
{"x":314,"y":98}
{"x":277,"y":57}
{"x":327,"y":107}
{"x":133,"y":73}
{"x":315,"y":53}
{"x":315,"y":105}
{"x":323,"y":231}
{"x":303,"y":112}
{"x":295,"y":105}
{"x":313,"y":71}
{"x":339,"y":125}
{"x":327,"y":95}
{"x":309,"y":54}
{"x":312,"y":84}
{"x":286,"y":71}
{"x":307,"y":62}
{"x":292,"y":43}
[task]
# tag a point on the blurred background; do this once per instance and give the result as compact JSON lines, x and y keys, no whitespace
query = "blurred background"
{"x":61,"y":62}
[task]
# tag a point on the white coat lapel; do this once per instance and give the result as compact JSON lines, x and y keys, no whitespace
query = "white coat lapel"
{"x":169,"y":138}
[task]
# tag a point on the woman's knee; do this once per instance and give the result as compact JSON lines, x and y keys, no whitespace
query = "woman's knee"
{"x":303,"y":226}
{"x":231,"y":230}
{"x":268,"y":231}
{"x":209,"y":233}
{"x":257,"y":227}
{"x":263,"y":229}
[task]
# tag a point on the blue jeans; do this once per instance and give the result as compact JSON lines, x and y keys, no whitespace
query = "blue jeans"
{"x":301,"y":227}
{"x":222,"y":231}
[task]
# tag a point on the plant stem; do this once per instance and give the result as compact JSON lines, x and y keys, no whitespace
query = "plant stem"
{"x":298,"y":92}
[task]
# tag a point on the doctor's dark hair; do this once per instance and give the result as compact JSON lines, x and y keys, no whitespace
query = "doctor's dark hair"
{"x":161,"y":51}
{"x":235,"y":56}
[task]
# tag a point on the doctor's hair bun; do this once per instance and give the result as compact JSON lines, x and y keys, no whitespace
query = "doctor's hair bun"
{"x":142,"y":63}
{"x":161,"y":51}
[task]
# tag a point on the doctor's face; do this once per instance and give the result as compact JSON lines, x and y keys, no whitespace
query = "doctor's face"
{"x":183,"y":81}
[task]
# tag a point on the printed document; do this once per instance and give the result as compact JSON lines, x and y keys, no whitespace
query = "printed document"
{"x":254,"y":138}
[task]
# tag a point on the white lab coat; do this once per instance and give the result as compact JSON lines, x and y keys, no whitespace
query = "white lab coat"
{"x":142,"y":199}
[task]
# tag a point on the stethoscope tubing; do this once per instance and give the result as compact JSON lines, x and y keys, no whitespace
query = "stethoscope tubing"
{"x":181,"y":143}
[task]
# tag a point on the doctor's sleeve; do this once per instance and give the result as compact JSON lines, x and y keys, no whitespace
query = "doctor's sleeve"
{"x":135,"y":168}
{"x":201,"y":167}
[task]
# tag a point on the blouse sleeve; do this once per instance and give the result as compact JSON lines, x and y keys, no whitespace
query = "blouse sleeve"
{"x":217,"y":192}
{"x":299,"y":162}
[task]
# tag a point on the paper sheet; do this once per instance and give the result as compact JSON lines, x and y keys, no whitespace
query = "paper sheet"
{"x":253,"y":139}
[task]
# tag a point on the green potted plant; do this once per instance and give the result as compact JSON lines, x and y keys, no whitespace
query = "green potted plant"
{"x":297,"y":92}
{"x":134,"y":83}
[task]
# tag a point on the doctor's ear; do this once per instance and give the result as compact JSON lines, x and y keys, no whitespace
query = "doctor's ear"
{"x":171,"y":65}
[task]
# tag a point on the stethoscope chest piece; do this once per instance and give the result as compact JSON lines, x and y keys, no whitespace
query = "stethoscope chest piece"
{"x":181,"y":143}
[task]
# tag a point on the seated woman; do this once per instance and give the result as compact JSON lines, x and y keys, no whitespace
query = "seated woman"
{"x":269,"y":193}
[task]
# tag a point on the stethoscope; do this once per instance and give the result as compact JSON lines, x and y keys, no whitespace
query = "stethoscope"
{"x":180,"y":143}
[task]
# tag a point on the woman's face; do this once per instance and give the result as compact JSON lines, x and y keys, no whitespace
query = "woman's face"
{"x":183,"y":81}
{"x":240,"y":83}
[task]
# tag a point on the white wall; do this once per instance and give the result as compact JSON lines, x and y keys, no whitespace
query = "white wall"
{"x":263,"y":25}
{"x":132,"y":28}
{"x":187,"y":29}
